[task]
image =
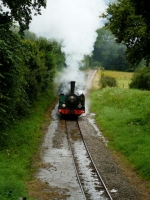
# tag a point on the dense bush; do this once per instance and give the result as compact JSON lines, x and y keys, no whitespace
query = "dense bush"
{"x":12,"y":76}
{"x":107,"y":81}
{"x":27,"y":69}
{"x":141,"y":79}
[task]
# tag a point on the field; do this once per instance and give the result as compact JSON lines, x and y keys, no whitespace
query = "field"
{"x":123,"y":115}
{"x":123,"y":78}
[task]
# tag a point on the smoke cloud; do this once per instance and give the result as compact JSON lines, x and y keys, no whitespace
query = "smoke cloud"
{"x":74,"y":23}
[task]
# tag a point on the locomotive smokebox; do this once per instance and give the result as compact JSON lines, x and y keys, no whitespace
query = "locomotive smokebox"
{"x":72,"y":86}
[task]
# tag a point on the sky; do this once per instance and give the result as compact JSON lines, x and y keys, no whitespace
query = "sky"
{"x":74,"y":23}
{"x":60,"y":15}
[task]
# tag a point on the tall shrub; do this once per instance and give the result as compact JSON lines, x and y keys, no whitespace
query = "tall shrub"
{"x":12,"y":94}
{"x":27,"y":69}
{"x":107,"y":81}
{"x":141,"y":79}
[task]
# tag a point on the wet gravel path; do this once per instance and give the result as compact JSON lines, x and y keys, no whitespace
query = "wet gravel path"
{"x":116,"y":182}
{"x":57,"y":174}
{"x":90,"y":182}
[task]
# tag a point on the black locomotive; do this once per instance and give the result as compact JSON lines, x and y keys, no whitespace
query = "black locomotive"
{"x":71,"y":103}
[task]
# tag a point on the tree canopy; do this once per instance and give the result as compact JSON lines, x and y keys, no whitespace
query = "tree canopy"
{"x":107,"y":53}
{"x":128,"y":22}
{"x":19,"y":11}
{"x":142,"y":8}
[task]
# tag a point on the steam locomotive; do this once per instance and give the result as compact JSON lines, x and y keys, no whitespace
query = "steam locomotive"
{"x":71,"y":103}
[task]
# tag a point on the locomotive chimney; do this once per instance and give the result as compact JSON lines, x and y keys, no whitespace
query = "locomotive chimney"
{"x":72,"y":86}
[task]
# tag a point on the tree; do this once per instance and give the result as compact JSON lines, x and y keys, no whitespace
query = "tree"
{"x":108,"y":53}
{"x":12,"y":76}
{"x":30,"y":35}
{"x":142,"y":8}
{"x":129,"y":29}
{"x":141,"y":79}
{"x":20,"y":11}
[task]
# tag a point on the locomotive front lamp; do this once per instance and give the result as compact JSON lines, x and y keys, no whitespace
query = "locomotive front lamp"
{"x":63,"y":105}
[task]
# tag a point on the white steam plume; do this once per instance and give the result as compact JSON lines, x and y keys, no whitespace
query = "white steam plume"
{"x":74,"y":22}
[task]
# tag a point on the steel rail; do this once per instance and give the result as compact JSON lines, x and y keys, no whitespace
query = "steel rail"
{"x":94,"y":163}
{"x":73,"y":158}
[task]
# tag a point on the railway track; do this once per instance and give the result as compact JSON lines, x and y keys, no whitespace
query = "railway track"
{"x":90,"y":181}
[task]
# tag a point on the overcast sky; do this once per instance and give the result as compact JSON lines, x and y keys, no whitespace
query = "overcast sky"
{"x":61,"y":15}
{"x":74,"y":22}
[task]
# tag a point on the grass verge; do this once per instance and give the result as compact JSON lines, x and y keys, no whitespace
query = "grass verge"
{"x":124,"y":117}
{"x":18,"y":145}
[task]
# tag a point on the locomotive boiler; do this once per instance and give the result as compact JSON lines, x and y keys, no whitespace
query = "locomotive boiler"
{"x":71,"y":103}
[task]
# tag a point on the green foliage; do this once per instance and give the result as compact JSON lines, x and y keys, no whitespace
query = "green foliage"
{"x":107,"y":81}
{"x":12,"y":81}
{"x":142,"y":8}
{"x":141,"y":79}
{"x":27,"y":69}
{"x":30,"y":35}
{"x":59,"y":55}
{"x":87,"y":63}
{"x":18,"y":145}
{"x":11,"y":188}
{"x":129,"y":29}
{"x":39,"y":77}
{"x":108,"y":53}
{"x":20,"y":11}
{"x":124,"y":118}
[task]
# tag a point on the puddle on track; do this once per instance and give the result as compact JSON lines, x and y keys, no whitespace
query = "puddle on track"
{"x":90,"y":182}
{"x":60,"y":173}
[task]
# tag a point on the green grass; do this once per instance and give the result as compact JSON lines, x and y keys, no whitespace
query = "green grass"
{"x":124,"y":117}
{"x":18,"y":144}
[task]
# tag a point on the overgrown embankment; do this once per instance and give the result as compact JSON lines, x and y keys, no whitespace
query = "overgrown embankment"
{"x":18,"y":145}
{"x":27,"y":71}
{"x":124,"y":117}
